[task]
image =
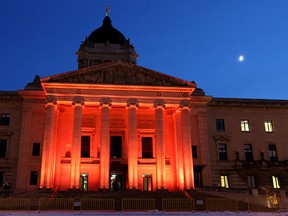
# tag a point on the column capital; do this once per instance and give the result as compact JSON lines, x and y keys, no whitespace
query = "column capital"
{"x":50,"y":102}
{"x":132,"y":104}
{"x":105,"y":103}
{"x":159,"y":105}
{"x":78,"y":101}
{"x":184,"y":105}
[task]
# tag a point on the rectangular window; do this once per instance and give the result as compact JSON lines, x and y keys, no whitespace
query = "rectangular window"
{"x":1,"y":178}
{"x":222,"y":149}
{"x":220,"y":125}
{"x":116,"y":146}
{"x":3,"y":148}
{"x":33,"y":177}
{"x":248,"y":153}
{"x":251,"y":181}
{"x":275,"y":181}
{"x":147,"y":182}
{"x":147,"y":147}
{"x":272,"y":152}
{"x":85,"y":146}
{"x":268,"y":126}
{"x":36,"y":149}
{"x":224,"y":181}
{"x":5,"y":119}
{"x":245,"y":125}
{"x":194,"y":151}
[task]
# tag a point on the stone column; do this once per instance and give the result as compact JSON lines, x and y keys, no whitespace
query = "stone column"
{"x":179,"y":150}
{"x":105,"y":145}
{"x":187,"y":147}
{"x":76,"y":144}
{"x":132,"y":145}
{"x":160,"y":147}
{"x":47,"y":165}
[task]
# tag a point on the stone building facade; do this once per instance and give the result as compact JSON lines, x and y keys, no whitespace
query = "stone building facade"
{"x":115,"y":125}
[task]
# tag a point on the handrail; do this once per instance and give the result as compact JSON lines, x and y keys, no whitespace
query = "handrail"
{"x":187,"y":195}
{"x":54,"y":193}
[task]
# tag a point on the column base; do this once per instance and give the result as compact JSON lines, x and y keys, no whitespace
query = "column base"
{"x":44,"y":189}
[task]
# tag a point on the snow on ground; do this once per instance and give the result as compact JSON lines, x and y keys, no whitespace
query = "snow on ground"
{"x":150,"y":213}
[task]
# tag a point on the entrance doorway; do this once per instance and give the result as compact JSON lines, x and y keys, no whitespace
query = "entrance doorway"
{"x":147,"y":182}
{"x":198,"y":176}
{"x":117,"y":182}
{"x":84,"y":182}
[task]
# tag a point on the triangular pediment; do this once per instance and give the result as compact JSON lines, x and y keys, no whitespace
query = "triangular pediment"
{"x":118,"y":73}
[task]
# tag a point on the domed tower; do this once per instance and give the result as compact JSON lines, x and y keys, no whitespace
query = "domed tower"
{"x":105,"y":44}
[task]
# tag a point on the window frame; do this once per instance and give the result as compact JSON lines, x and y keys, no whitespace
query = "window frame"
{"x":118,"y":153}
{"x":85,"y":149}
{"x":245,"y":125}
{"x":32,"y":180}
{"x":272,"y":152}
{"x":4,"y":148}
{"x":268,"y":126}
{"x":224,"y":181}
{"x":248,"y":152}
{"x":220,"y":124}
{"x":275,"y":182}
{"x":222,"y":152}
{"x":5,"y":119}
{"x":36,"y":149}
{"x":150,"y":154}
{"x":194,"y":151}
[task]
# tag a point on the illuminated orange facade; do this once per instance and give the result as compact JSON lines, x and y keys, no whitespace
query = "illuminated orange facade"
{"x":110,"y":124}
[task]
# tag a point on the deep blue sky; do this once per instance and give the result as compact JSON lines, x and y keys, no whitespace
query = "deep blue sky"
{"x":197,"y":40}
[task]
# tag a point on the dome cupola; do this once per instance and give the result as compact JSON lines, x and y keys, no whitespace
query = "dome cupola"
{"x":107,"y":33}
{"x":105,"y":44}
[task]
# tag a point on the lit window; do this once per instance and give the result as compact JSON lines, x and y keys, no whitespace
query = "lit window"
{"x":275,"y":181}
{"x":268,"y":126}
{"x":245,"y":125}
{"x":147,"y":182}
{"x":248,"y":152}
{"x":251,"y":181}
{"x":224,"y":181}
{"x":220,"y":125}
{"x":272,"y":152}
{"x":5,"y":119}
{"x":222,"y":149}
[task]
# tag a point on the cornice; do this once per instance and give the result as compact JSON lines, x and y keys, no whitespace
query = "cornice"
{"x":241,"y":103}
{"x":117,"y":87}
{"x":7,"y":96}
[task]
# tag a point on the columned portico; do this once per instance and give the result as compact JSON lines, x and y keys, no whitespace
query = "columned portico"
{"x":76,"y":144}
{"x":105,"y":145}
{"x":47,"y":165}
{"x":160,"y":147}
{"x":132,"y":145}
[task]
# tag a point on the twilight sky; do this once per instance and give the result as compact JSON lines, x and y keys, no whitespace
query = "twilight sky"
{"x":199,"y":40}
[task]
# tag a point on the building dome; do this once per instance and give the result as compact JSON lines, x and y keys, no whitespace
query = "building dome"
{"x":105,"y":44}
{"x":107,"y":33}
